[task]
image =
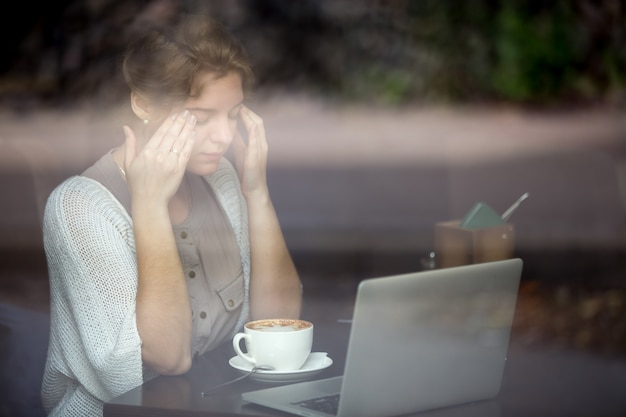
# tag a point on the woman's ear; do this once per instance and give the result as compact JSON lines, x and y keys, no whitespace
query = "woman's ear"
{"x":140,"y":105}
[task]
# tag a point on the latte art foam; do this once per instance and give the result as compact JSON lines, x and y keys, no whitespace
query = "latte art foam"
{"x":279,"y":325}
{"x":277,"y":328}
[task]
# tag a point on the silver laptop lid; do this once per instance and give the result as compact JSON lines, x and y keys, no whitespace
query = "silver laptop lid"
{"x":429,"y":339}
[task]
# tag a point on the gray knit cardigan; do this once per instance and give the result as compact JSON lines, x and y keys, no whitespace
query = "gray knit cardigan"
{"x":94,"y":353}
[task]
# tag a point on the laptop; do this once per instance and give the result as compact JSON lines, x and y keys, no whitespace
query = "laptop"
{"x":418,"y":341}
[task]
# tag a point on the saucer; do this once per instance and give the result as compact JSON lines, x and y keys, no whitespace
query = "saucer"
{"x":315,"y":363}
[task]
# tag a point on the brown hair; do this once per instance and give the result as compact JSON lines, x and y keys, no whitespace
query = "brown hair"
{"x":163,"y":61}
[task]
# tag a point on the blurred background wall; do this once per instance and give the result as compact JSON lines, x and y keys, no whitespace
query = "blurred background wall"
{"x":384,"y":117}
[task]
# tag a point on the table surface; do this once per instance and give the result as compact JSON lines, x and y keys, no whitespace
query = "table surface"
{"x":547,"y":382}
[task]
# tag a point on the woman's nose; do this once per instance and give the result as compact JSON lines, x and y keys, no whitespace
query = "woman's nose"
{"x":223,"y":131}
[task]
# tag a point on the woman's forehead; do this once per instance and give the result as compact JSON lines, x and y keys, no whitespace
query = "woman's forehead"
{"x":213,"y":88}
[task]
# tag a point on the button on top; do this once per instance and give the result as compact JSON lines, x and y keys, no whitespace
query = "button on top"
{"x":192,"y":274}
{"x":183,"y":234}
{"x":230,"y":303}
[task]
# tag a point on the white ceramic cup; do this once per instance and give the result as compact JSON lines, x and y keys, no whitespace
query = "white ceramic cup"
{"x":283,"y":344}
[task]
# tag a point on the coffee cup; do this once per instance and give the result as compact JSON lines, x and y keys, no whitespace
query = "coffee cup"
{"x":283,"y":344}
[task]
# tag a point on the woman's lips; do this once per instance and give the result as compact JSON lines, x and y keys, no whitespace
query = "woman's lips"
{"x":211,"y":156}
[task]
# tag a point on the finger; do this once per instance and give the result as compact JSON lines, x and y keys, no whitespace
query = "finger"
{"x":159,"y":134}
{"x":254,"y":122}
{"x":171,"y":135}
{"x":239,"y":149}
{"x":256,"y":132}
{"x":251,"y":122}
{"x":185,"y":152}
{"x":187,"y":132}
{"x":247,"y":111}
{"x":130,"y":148}
{"x":239,"y":145}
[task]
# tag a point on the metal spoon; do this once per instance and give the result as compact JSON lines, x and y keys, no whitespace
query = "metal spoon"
{"x":256,"y":368}
{"x":509,"y":212}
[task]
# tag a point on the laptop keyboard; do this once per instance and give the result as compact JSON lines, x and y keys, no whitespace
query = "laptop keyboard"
{"x":327,"y":404}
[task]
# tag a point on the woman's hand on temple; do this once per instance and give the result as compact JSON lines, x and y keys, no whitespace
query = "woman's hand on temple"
{"x":275,"y":289}
{"x":156,"y":170}
{"x":251,"y":159}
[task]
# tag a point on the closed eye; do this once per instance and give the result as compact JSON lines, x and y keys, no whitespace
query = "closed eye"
{"x":204,"y":116}
{"x":202,"y":119}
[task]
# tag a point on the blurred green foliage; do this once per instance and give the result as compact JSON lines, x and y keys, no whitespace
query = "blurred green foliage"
{"x":385,"y":51}
{"x":520,"y":51}
{"x":539,"y":54}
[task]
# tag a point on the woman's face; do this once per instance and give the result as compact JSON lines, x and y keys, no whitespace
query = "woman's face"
{"x":217,"y":110}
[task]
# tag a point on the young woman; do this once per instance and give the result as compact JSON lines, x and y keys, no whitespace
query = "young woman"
{"x":161,"y":250}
